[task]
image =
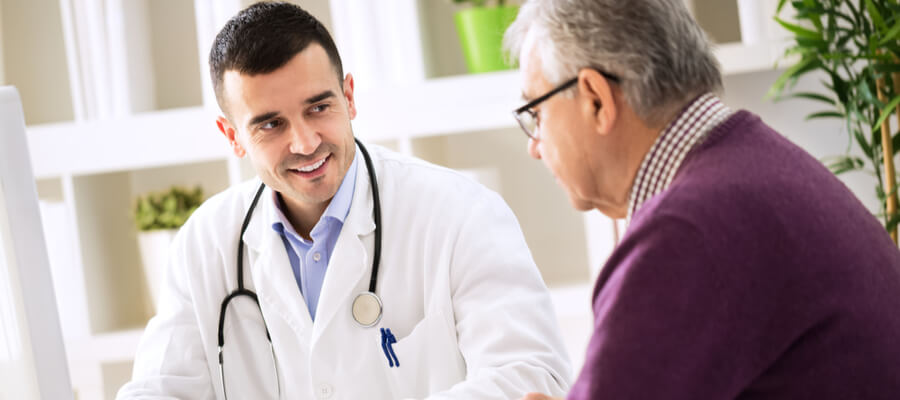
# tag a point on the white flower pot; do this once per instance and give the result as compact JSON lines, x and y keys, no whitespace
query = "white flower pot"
{"x":154,"y":247}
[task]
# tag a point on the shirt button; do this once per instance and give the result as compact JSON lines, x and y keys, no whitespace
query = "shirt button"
{"x":317,"y":256}
{"x":325,"y":391}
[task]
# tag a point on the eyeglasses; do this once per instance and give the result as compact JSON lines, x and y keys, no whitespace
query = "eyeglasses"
{"x":528,"y":118}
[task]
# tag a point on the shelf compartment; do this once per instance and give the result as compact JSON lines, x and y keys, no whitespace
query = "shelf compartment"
{"x":170,"y":137}
{"x":115,"y":286}
{"x":176,"y":66}
{"x":720,"y":19}
{"x":110,"y":259}
{"x":441,"y":50}
{"x":33,"y":59}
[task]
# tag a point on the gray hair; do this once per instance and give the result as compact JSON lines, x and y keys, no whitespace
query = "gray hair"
{"x":655,"y":47}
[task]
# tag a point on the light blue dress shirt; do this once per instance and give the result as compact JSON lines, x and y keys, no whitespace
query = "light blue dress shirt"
{"x":309,"y":259}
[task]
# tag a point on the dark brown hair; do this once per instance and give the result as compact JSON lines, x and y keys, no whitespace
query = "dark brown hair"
{"x":264,"y":37}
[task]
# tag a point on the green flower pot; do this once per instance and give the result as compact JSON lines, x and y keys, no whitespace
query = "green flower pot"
{"x":480,"y":32}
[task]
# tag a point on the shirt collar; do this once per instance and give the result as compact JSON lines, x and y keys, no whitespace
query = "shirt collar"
{"x":337,"y":209}
{"x":340,"y":203}
{"x":685,"y":132}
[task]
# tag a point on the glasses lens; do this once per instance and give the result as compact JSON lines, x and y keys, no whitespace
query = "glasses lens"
{"x":528,"y":122}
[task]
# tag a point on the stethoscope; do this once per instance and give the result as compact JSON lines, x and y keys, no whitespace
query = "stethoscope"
{"x":366,"y":308}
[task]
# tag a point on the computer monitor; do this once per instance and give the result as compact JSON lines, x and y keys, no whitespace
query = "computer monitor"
{"x":32,"y":355}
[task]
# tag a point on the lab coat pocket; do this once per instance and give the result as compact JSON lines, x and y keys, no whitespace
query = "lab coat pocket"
{"x":419,"y":356}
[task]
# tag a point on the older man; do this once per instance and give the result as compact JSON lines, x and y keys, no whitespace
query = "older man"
{"x":747,"y":270}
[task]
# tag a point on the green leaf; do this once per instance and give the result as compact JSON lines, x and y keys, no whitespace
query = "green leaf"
{"x":895,"y":140}
{"x":886,"y":112}
{"x":876,"y":16}
{"x":167,"y":210}
{"x":809,"y":96}
{"x":780,"y":6}
{"x":882,"y":67}
{"x":844,"y":164}
{"x":839,"y":86}
{"x":892,"y":222}
{"x":824,"y":114}
{"x":891,"y":34}
{"x":816,"y":43}
{"x":862,"y":142}
{"x":798,"y":30}
{"x":857,"y":17}
{"x":836,"y":13}
{"x":794,"y":71}
{"x":865,"y":92}
{"x":814,"y":17}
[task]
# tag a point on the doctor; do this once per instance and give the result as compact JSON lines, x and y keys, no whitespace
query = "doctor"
{"x":455,"y":310}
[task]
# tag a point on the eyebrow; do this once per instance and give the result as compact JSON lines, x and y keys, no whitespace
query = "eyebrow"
{"x":269,"y":115}
{"x":261,"y":118}
{"x":319,"y":97}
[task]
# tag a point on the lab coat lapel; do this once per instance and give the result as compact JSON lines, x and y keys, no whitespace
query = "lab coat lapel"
{"x":350,"y":262}
{"x":273,"y":278}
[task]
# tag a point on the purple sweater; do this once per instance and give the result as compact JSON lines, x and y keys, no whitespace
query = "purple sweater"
{"x":755,"y":275}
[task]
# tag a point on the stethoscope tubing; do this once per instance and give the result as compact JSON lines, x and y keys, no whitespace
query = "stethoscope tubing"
{"x":376,"y":256}
{"x":242,"y":291}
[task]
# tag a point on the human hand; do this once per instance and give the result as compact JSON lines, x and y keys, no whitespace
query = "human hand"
{"x":539,"y":396}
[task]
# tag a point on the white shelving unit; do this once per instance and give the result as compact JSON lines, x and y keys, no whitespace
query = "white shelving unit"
{"x":142,"y":118}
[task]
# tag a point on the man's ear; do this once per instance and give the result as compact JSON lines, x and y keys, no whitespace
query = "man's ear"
{"x":230,"y":134}
{"x":348,"y":94}
{"x":597,"y":101}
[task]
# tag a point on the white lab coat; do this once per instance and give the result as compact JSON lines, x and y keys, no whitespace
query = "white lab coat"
{"x":461,"y":294}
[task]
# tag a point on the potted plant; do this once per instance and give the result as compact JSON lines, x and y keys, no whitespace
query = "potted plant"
{"x":158,"y":217}
{"x":854,"y":45}
{"x":480,"y":30}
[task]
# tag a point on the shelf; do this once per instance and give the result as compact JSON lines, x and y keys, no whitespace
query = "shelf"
{"x":466,"y":103}
{"x":441,"y":106}
{"x":159,"y":138}
{"x":478,"y":102}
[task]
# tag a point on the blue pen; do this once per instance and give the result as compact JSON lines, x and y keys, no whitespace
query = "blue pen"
{"x":391,"y":341}
{"x":384,"y":348}
{"x":387,"y":340}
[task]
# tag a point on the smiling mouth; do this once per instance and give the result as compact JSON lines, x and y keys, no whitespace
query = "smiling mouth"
{"x":313,"y":169}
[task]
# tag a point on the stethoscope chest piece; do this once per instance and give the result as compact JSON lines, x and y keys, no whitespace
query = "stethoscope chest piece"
{"x":366,"y":309}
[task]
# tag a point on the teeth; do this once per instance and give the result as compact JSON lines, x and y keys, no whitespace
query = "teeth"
{"x":313,"y":167}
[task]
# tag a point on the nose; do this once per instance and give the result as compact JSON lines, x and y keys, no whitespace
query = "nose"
{"x":533,"y":149}
{"x":304,"y":139}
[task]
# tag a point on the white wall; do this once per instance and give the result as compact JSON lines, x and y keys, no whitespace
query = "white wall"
{"x":174,"y":54}
{"x":34,"y":56}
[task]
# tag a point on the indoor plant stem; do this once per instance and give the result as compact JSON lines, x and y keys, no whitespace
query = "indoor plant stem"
{"x":888,"y":152}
